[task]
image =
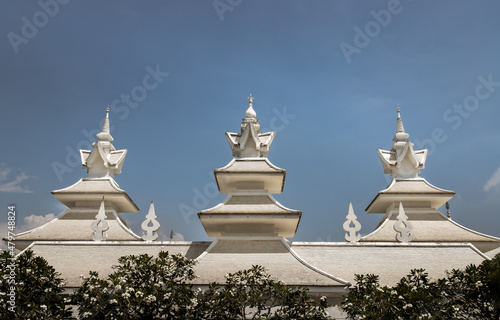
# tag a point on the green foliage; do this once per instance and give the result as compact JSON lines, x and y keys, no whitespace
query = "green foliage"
{"x":30,"y":288}
{"x":253,"y":294}
{"x":473,"y":293}
{"x":142,"y":287}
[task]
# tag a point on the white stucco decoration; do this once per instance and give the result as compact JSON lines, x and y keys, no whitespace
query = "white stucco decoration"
{"x":351,"y":226}
{"x":150,"y":225}
{"x":250,"y":142}
{"x":403,"y":226}
{"x":103,"y":161}
{"x":100,"y":225}
{"x":402,"y":162}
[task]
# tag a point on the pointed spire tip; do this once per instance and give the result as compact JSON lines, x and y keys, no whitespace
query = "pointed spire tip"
{"x":105,"y":134}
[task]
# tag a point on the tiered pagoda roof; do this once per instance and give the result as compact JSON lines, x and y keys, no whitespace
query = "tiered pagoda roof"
{"x":420,"y":200}
{"x":250,"y":179}
{"x":86,"y":196}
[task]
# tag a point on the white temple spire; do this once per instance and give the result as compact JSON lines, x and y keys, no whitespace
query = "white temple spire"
{"x":100,"y":225}
{"x":403,"y":226}
{"x":103,"y":161}
{"x":250,"y":113}
{"x":402,"y":162}
{"x":105,"y":134}
{"x":250,"y":143}
{"x":352,"y":234}
{"x":150,"y":225}
{"x":399,"y":127}
{"x":401,"y":135}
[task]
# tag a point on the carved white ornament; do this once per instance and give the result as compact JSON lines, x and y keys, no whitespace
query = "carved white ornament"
{"x":100,"y":225}
{"x":150,"y":225}
{"x":250,"y":142}
{"x":402,"y":162}
{"x":403,"y":226}
{"x":351,"y":231}
{"x":103,"y":160}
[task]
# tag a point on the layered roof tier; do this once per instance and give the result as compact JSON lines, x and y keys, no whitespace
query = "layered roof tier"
{"x":250,"y":179}
{"x":98,"y":190}
{"x":412,"y":197}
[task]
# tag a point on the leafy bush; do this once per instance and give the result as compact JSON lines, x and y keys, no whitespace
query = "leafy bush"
{"x":253,"y":294}
{"x":30,"y":288}
{"x":470,"y":294}
{"x":142,"y":287}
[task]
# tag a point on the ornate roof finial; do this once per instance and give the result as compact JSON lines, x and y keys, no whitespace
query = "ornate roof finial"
{"x":100,"y":225}
{"x":402,"y":162}
{"x":403,"y":226}
{"x":401,"y":135}
{"x":105,"y":135}
{"x":149,"y":231}
{"x":351,"y":232}
{"x":250,"y":113}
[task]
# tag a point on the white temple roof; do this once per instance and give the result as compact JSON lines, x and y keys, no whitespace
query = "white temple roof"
{"x":320,"y":264}
{"x":431,"y":226}
{"x":250,"y":215}
{"x":243,"y":173}
{"x":89,"y":192}
{"x":411,"y":190}
{"x":227,"y":256}
{"x":390,"y":261}
{"x":76,"y":258}
{"x":75,"y":225}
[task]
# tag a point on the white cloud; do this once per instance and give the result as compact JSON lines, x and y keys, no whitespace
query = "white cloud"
{"x":4,"y":172}
{"x":175,"y":237}
{"x":493,"y":181}
{"x":13,"y":186}
{"x":30,"y":222}
{"x":33,"y":221}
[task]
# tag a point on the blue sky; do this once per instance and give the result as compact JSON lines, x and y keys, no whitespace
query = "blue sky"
{"x":326,"y":75}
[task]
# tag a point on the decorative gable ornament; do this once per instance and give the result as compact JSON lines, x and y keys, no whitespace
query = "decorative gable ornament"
{"x":150,"y":225}
{"x":403,"y":226}
{"x":103,"y":161}
{"x":250,"y":142}
{"x":100,"y":225}
{"x":351,"y":226}
{"x":402,"y":162}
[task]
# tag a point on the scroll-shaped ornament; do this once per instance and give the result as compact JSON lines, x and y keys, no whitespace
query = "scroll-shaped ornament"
{"x":403,"y":226}
{"x":100,"y":225}
{"x":150,"y":225}
{"x":351,"y":226}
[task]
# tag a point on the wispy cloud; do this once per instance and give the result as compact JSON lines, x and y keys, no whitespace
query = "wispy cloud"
{"x":12,"y":186}
{"x":175,"y":237}
{"x":493,"y":181}
{"x":30,"y":222}
{"x":33,"y":221}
